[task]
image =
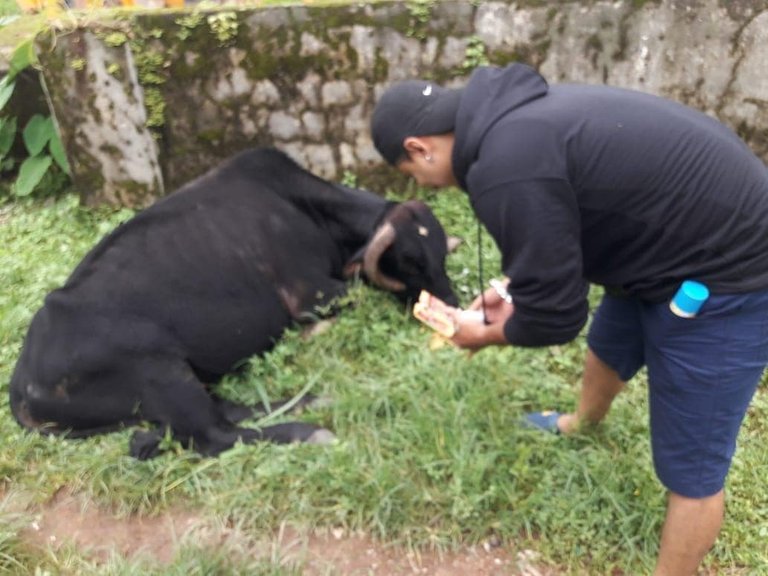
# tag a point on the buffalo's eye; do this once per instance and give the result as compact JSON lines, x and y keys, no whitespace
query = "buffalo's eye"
{"x":412,"y":263}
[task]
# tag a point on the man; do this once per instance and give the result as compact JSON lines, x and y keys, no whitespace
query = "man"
{"x":586,"y":184}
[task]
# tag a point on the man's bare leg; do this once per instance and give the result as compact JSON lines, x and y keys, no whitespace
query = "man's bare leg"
{"x":600,"y":385}
{"x":692,"y":524}
{"x":690,"y":530}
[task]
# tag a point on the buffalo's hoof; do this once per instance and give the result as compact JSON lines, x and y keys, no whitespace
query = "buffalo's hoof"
{"x":318,"y":403}
{"x":321,"y":436}
{"x":317,"y":328}
{"x":145,"y":444}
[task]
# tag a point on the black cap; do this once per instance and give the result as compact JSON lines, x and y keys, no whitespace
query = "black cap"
{"x":412,"y":108}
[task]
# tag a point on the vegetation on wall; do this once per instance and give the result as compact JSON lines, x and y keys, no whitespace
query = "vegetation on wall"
{"x":421,"y":12}
{"x":475,"y":54}
{"x":42,"y":166}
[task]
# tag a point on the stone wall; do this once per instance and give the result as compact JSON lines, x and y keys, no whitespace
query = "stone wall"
{"x":146,"y":102}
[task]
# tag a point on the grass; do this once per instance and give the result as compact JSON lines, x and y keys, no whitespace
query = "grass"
{"x":430,"y":453}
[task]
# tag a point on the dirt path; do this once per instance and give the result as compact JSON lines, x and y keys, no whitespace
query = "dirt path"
{"x":98,"y":533}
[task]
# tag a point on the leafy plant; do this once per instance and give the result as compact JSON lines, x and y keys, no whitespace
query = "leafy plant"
{"x":187,"y":24}
{"x":421,"y":12}
{"x":224,"y":26}
{"x":349,"y":179}
{"x":46,"y":161}
{"x":475,"y":54}
{"x":115,"y":39}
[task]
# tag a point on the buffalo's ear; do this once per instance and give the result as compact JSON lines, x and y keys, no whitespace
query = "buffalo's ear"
{"x":354,"y":265}
{"x":453,"y":243}
{"x":352,"y":269}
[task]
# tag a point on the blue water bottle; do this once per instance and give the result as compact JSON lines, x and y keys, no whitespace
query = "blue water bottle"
{"x":689,"y":299}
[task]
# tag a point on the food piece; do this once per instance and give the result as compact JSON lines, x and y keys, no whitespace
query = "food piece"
{"x":435,"y":313}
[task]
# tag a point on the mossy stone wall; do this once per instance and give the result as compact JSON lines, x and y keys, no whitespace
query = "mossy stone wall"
{"x":147,"y":101}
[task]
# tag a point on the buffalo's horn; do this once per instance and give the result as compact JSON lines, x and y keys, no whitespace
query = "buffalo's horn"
{"x":382,"y":239}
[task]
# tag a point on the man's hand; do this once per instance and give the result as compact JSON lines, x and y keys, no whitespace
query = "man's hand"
{"x":472,"y":334}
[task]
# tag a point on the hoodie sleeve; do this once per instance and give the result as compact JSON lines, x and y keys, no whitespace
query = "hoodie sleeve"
{"x":536,"y":226}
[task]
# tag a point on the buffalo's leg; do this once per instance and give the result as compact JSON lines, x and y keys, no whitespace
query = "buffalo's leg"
{"x":145,"y":444}
{"x":182,"y":403}
{"x":75,"y":404}
{"x":234,"y":412}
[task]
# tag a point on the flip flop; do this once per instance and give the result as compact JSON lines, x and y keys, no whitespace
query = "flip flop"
{"x":546,"y":421}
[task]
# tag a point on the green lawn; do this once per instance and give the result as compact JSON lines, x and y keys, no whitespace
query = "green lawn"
{"x":430,"y":453}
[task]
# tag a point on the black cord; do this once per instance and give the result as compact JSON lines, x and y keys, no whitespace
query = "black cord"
{"x":480,"y":269}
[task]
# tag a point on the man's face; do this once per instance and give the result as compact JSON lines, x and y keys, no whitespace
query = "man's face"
{"x":427,"y":173}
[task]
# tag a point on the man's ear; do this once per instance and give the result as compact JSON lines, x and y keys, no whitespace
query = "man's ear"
{"x":416,"y":146}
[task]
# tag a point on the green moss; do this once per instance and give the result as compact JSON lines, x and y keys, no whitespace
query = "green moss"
{"x":149,"y":65}
{"x":136,"y":194}
{"x":94,"y":109}
{"x":593,"y":48}
{"x":537,"y":3}
{"x":154,"y":104}
{"x":151,"y":68}
{"x":502,"y":58}
{"x":637,"y":4}
{"x":533,"y":53}
{"x":475,"y":54}
{"x":623,"y":42}
{"x":90,"y":179}
{"x":224,"y":27}
{"x":115,"y":39}
{"x":187,"y":24}
{"x":115,"y":70}
{"x":210,"y":136}
{"x":380,"y":66}
{"x":594,"y":43}
{"x":110,"y":149}
{"x":281,"y":59}
{"x":324,"y":18}
{"x":421,"y":14}
{"x":551,"y":13}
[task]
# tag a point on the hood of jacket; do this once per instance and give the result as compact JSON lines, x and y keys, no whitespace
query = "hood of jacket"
{"x":490,"y":94}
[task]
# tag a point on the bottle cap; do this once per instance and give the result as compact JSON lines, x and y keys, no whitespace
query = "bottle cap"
{"x":689,"y":298}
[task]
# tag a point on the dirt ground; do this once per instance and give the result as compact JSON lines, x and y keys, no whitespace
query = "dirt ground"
{"x":98,"y":534}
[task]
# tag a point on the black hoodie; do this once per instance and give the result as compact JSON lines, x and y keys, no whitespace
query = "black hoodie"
{"x":580,"y":184}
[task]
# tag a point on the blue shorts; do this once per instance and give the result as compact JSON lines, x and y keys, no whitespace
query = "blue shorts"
{"x":702,"y":374}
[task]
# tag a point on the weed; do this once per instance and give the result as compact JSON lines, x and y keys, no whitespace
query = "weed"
{"x":349,"y":179}
{"x":224,"y":27}
{"x":421,"y":13}
{"x":45,"y":165}
{"x":475,"y":54}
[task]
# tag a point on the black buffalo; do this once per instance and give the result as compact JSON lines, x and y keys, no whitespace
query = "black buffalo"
{"x":206,"y":277}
